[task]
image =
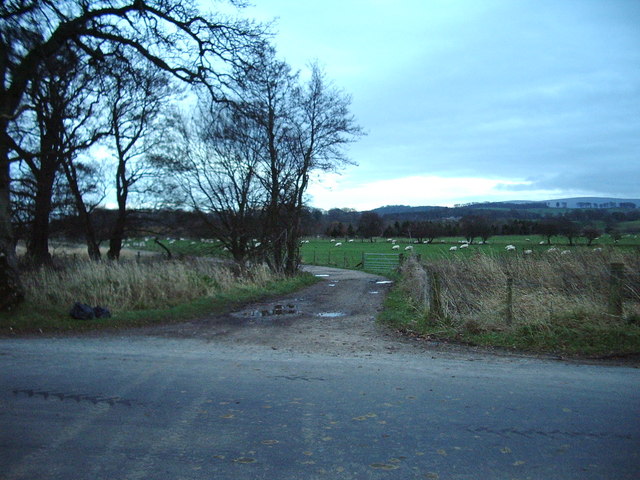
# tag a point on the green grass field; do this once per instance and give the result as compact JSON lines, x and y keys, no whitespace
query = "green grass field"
{"x":349,"y":254}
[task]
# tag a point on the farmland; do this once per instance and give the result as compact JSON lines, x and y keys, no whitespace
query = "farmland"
{"x":349,"y":254}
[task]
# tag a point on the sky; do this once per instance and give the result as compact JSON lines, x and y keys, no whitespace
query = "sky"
{"x":471,"y":101}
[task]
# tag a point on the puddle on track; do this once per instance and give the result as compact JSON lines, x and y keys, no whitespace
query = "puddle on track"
{"x":268,"y":314}
{"x":268,"y":311}
{"x":330,"y":314}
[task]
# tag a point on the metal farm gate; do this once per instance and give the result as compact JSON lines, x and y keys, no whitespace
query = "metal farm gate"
{"x":381,"y":262}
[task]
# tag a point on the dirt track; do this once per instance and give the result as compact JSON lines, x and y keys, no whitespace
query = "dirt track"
{"x":335,"y":316}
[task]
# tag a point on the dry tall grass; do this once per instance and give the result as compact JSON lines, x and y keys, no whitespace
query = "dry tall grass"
{"x":135,"y":285}
{"x":548,"y":288}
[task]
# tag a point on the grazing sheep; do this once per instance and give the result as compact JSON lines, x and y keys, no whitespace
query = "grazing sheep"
{"x":528,"y":252}
{"x":409,"y":247}
{"x":453,"y":249}
{"x":395,"y":247}
{"x":339,"y":244}
{"x":542,"y":242}
{"x":510,"y":248}
{"x":351,"y":240}
{"x":332,"y":240}
{"x":565,"y":252}
{"x":464,"y":245}
{"x":552,"y":250}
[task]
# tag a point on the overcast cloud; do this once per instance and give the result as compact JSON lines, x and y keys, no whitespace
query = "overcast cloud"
{"x":475,"y":100}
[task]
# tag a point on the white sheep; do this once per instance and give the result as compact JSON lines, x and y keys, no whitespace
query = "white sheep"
{"x":541,"y":242}
{"x":597,"y":249}
{"x":552,"y":250}
{"x":407,"y":248}
{"x":339,"y":244}
{"x":510,"y":248}
{"x":453,"y":249}
{"x":395,"y":247}
{"x":464,"y":245}
{"x":528,"y":252}
{"x":565,"y":252}
{"x":351,"y":240}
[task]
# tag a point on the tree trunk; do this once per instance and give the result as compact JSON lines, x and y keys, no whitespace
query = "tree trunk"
{"x":117,"y":234}
{"x":115,"y":242}
{"x":11,"y":290}
{"x":292,"y":245}
{"x":38,"y":243}
{"x":93,"y":249}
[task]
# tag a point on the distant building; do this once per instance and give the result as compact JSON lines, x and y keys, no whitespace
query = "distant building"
{"x":593,"y":203}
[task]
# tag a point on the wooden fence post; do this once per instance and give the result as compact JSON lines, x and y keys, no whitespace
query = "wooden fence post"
{"x":435,"y":301}
{"x":616,"y":281}
{"x":509,"y":299}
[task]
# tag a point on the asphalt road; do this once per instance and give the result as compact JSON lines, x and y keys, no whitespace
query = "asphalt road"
{"x":160,"y":408}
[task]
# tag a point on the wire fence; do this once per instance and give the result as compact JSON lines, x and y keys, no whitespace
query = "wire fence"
{"x":504,"y":291}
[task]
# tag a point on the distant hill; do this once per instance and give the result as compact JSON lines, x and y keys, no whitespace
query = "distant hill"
{"x":394,"y":209}
{"x":571,"y":203}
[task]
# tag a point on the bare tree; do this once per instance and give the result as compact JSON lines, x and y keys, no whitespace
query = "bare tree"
{"x":170,"y":34}
{"x":264,"y":96}
{"x":370,"y":225}
{"x":322,"y":127}
{"x":473,"y":226}
{"x":213,"y":168}
{"x":57,"y":123}
{"x":299,"y":130}
{"x":137,"y":93}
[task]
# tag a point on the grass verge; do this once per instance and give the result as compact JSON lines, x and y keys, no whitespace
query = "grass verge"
{"x":139,"y":294}
{"x":553,"y":310}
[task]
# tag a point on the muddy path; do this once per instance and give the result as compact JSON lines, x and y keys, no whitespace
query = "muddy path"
{"x":335,"y":316}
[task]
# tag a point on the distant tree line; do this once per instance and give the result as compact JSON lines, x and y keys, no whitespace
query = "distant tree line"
{"x":427,"y":226}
